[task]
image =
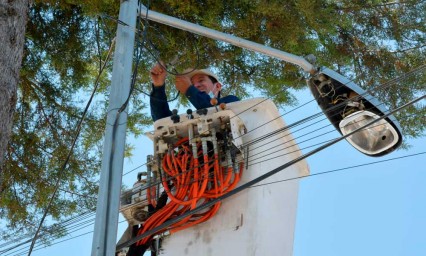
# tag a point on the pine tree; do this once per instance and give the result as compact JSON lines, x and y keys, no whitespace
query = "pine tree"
{"x":68,"y":41}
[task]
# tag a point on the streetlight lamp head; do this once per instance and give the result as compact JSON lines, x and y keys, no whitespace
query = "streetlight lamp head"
{"x":348,"y":107}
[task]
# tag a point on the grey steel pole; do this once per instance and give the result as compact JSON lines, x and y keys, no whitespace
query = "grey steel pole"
{"x":105,"y":232}
{"x":237,"y":41}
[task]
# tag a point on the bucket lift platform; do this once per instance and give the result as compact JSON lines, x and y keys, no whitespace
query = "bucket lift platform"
{"x":259,"y":220}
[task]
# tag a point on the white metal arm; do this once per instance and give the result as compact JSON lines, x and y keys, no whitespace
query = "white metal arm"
{"x":237,"y":41}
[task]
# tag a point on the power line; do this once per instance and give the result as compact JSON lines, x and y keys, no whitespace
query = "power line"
{"x":312,"y":117}
{"x":269,"y":135}
{"x":52,"y":228}
{"x":166,"y":224}
{"x":366,"y":93}
{"x":383,"y":85}
{"x":274,"y":147}
{"x":268,"y":159}
{"x":340,"y":169}
{"x":79,"y":126}
{"x":126,"y":173}
{"x":255,"y":141}
{"x":296,"y":144}
{"x":387,"y":84}
{"x":251,"y":164}
{"x":40,"y":247}
{"x":279,"y":181}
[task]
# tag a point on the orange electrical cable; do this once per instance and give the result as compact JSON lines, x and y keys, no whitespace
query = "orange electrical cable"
{"x":191,"y":185}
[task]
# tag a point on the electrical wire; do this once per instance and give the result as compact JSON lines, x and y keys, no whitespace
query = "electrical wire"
{"x":48,"y":230}
{"x":40,"y":247}
{"x":182,"y":173}
{"x":336,"y":106}
{"x":170,"y":222}
{"x":338,"y":169}
{"x":79,"y":126}
{"x":320,"y":113}
{"x":275,"y":182}
{"x":391,"y":81}
{"x":135,"y":168}
{"x":249,"y":143}
{"x":252,"y":106}
{"x":382,"y":86}
{"x":298,"y":137}
{"x":281,"y":155}
{"x":77,"y":134}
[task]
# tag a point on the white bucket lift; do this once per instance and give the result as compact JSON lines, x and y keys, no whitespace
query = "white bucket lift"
{"x":259,"y":220}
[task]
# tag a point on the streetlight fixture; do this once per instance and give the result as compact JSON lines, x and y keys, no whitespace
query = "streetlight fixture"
{"x":345,"y":104}
{"x":349,"y":107}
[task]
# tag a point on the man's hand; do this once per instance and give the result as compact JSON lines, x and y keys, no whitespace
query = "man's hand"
{"x":158,"y":74}
{"x":182,"y":83}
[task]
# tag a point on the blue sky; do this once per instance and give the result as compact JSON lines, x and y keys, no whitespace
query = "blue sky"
{"x":376,"y":209}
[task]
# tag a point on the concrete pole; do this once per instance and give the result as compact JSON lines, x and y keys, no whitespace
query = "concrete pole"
{"x":107,"y":211}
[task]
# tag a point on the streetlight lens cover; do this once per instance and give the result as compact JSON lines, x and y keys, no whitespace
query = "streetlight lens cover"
{"x":373,"y":139}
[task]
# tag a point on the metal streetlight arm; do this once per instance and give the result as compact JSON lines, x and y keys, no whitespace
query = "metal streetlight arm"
{"x":237,"y":41}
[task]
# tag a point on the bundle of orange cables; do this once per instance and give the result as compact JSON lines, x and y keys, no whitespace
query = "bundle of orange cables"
{"x":189,"y":183}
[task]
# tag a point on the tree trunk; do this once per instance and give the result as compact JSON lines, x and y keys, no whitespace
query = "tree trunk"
{"x":13,"y":19}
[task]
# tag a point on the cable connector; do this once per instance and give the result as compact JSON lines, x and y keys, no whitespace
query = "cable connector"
{"x":164,"y":234}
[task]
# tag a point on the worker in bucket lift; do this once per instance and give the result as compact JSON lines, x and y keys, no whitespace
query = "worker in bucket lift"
{"x":198,"y":85}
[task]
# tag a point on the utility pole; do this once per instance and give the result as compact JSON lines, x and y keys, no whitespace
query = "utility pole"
{"x":107,"y":211}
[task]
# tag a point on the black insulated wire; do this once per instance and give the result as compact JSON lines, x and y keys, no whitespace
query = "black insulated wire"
{"x":338,"y":170}
{"x":298,"y":123}
{"x":389,"y":82}
{"x":166,"y":224}
{"x":336,"y":106}
{"x":79,"y":126}
{"x":254,"y":186}
{"x":297,"y":137}
{"x":307,"y":119}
